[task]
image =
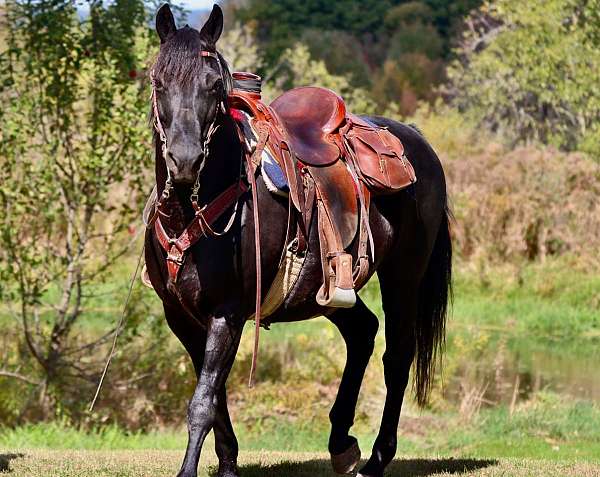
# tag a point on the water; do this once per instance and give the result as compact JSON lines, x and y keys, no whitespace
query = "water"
{"x":503,"y":370}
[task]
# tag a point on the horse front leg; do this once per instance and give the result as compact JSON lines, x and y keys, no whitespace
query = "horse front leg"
{"x":223,"y":338}
{"x":226,"y":444}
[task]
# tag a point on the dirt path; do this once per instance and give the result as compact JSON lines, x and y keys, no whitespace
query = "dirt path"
{"x":34,"y":463}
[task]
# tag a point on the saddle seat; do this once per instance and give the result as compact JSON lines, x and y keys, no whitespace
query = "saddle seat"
{"x":310,"y":114}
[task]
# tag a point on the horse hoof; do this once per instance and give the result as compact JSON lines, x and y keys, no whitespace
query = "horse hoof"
{"x":345,"y":462}
{"x":228,"y":471}
{"x":362,"y":474}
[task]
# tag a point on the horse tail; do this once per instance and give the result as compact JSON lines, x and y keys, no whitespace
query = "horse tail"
{"x":435,"y":292}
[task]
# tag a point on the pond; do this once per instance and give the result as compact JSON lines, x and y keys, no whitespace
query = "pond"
{"x":499,"y":369}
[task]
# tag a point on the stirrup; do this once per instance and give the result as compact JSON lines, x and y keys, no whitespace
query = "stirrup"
{"x":338,"y":290}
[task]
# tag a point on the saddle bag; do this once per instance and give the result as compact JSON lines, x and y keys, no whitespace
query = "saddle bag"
{"x":378,"y":156}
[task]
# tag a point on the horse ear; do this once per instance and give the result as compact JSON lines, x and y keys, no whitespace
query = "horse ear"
{"x":165,"y":23}
{"x":212,"y":29}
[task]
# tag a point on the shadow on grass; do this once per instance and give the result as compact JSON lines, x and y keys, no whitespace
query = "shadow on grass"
{"x":400,"y":467}
{"x":5,"y":461}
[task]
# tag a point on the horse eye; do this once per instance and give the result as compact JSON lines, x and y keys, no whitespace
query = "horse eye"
{"x":158,"y":86}
{"x":218,"y":86}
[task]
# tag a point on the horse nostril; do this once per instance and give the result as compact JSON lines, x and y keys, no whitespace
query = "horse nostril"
{"x":174,"y":160}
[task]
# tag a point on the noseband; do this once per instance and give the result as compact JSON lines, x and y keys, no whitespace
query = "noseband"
{"x":212,"y":128}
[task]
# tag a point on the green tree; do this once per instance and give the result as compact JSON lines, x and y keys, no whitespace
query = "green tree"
{"x":281,"y":23}
{"x":297,"y":68}
{"x":365,"y":40}
{"x":530,"y":71}
{"x":239,"y":47}
{"x":73,"y":147}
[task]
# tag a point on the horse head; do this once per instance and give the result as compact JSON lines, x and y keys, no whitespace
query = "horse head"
{"x":190,"y":83}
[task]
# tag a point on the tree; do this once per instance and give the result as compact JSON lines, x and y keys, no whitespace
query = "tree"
{"x":530,"y":71}
{"x":297,"y":68}
{"x":281,"y":23}
{"x":239,"y":47}
{"x":73,"y":147}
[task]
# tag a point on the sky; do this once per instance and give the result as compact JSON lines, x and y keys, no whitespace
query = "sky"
{"x":196,"y":4}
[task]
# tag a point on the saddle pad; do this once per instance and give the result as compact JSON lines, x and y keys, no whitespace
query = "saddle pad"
{"x":272,"y":173}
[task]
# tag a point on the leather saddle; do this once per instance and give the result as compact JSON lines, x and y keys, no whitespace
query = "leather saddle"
{"x":310,"y":115}
{"x":333,"y":161}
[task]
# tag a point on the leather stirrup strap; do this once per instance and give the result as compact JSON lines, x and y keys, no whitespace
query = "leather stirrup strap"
{"x":252,"y":180}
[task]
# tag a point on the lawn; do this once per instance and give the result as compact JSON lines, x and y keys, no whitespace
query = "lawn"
{"x":33,"y":463}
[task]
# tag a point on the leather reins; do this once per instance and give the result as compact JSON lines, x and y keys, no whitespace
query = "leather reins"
{"x":201,"y":225}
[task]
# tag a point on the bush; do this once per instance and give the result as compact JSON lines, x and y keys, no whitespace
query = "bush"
{"x":530,"y":71}
{"x":512,"y":204}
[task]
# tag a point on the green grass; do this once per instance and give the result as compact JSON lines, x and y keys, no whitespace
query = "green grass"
{"x":540,"y":312}
{"x":547,"y":427}
{"x":33,"y":463}
{"x":553,"y":300}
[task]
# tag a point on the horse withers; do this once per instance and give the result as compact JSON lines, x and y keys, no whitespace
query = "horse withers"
{"x":201,"y":254}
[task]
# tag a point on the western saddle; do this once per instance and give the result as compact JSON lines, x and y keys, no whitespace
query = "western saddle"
{"x":333,"y":161}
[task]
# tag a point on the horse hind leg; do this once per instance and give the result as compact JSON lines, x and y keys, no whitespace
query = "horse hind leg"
{"x":400,"y":307}
{"x":414,"y":298}
{"x":358,"y":326}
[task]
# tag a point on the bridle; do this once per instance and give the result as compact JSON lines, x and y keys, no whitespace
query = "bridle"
{"x":212,"y":128}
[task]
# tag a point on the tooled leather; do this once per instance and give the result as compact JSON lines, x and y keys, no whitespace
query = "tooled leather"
{"x":338,"y":191}
{"x":310,"y":115}
{"x":379,"y":156}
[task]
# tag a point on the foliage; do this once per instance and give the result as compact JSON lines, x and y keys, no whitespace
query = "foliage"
{"x":72,"y":152}
{"x":341,"y":52}
{"x":297,"y":68}
{"x":238,"y":46}
{"x":280,"y":23}
{"x":530,"y":70}
{"x":396,"y":48}
{"x":514,"y":204}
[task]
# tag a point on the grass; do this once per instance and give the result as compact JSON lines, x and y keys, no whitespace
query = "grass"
{"x":265,"y":464}
{"x":282,"y":422}
{"x":548,"y":426}
{"x":557,"y":299}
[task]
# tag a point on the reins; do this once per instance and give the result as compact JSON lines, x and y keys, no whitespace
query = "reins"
{"x":118,"y":329}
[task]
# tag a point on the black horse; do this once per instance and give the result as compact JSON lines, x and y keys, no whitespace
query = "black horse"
{"x":217,"y":281}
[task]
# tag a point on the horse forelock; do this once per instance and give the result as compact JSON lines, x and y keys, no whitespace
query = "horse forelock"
{"x":179,"y":58}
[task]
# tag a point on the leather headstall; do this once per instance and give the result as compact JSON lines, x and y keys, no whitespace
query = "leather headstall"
{"x":205,"y":217}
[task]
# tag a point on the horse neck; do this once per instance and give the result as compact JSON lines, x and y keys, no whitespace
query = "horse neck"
{"x":221,"y":170}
